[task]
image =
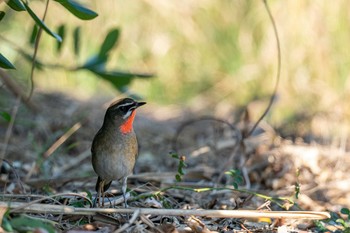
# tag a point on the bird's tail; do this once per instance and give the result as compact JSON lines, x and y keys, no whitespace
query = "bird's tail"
{"x":105,"y":186}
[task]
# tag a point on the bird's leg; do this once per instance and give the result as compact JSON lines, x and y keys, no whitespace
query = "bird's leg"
{"x":125,"y":184}
{"x":103,"y":193}
{"x":98,"y":195}
{"x":103,"y":199}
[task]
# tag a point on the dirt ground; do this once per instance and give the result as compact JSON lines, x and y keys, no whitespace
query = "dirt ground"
{"x":42,"y":159}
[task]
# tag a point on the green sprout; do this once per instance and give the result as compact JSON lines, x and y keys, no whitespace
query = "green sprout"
{"x":237,"y":177}
{"x":180,"y":167}
{"x":297,"y":184}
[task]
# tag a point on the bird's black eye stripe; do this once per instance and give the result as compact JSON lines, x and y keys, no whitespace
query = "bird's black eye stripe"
{"x":126,"y":107}
{"x":123,"y":108}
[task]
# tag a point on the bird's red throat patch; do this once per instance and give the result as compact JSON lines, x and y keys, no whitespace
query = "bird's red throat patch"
{"x":127,"y":126}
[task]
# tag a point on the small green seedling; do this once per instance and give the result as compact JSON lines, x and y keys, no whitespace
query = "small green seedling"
{"x":180,"y":167}
{"x":297,"y":184}
{"x":237,"y":177}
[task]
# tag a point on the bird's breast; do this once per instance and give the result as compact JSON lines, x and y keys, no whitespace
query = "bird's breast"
{"x":113,"y":157}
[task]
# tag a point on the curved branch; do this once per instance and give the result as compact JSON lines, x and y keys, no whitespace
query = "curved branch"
{"x":278,"y":75}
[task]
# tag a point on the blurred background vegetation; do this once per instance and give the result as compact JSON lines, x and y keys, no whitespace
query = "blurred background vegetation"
{"x":207,"y":55}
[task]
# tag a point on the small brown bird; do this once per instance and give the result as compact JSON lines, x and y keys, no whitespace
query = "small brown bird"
{"x":114,"y":148}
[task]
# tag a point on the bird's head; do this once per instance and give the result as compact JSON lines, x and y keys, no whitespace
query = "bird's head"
{"x":122,"y":113}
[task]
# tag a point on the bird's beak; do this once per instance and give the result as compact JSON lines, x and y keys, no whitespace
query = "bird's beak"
{"x":138,"y":104}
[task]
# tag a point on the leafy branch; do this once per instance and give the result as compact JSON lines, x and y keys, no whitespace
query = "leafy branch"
{"x":96,"y":64}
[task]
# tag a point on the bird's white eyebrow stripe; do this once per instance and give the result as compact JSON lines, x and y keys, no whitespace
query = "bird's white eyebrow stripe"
{"x":126,"y":104}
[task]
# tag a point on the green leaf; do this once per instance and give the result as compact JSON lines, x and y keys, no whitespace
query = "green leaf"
{"x":237,"y":177}
{"x":6,"y":224}
{"x":25,"y":223}
{"x":109,"y":42}
{"x":341,"y":221}
{"x":41,"y":24}
{"x":2,"y":15}
{"x":6,"y":116}
{"x":77,"y":203}
{"x":180,"y":171}
{"x":94,"y":63}
{"x":334,"y":216}
{"x":233,"y":173}
{"x":76,"y":37}
{"x":61,"y":32}
{"x":320,"y":225}
{"x":118,"y":78}
{"x":16,"y":5}
{"x":183,"y":164}
{"x":77,"y":9}
{"x":345,"y":211}
{"x":33,"y":34}
{"x":235,"y":185}
{"x":6,"y":64}
{"x":178,"y":177}
{"x":297,"y":190}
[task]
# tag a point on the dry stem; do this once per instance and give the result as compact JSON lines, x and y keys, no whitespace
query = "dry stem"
{"x":56,"y":209}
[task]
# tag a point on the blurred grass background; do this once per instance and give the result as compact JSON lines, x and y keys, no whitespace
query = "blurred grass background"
{"x":210,"y":53}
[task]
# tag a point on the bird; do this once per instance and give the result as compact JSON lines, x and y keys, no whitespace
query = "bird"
{"x":114,"y":148}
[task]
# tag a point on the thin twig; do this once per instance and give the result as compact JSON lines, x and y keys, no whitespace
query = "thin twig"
{"x":36,"y":47}
{"x":62,"y":139}
{"x":278,"y":75}
{"x":70,"y":210}
{"x":22,"y":206}
{"x":131,"y":221}
{"x":148,"y":222}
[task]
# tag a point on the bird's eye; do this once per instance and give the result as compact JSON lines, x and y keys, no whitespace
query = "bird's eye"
{"x":123,"y":108}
